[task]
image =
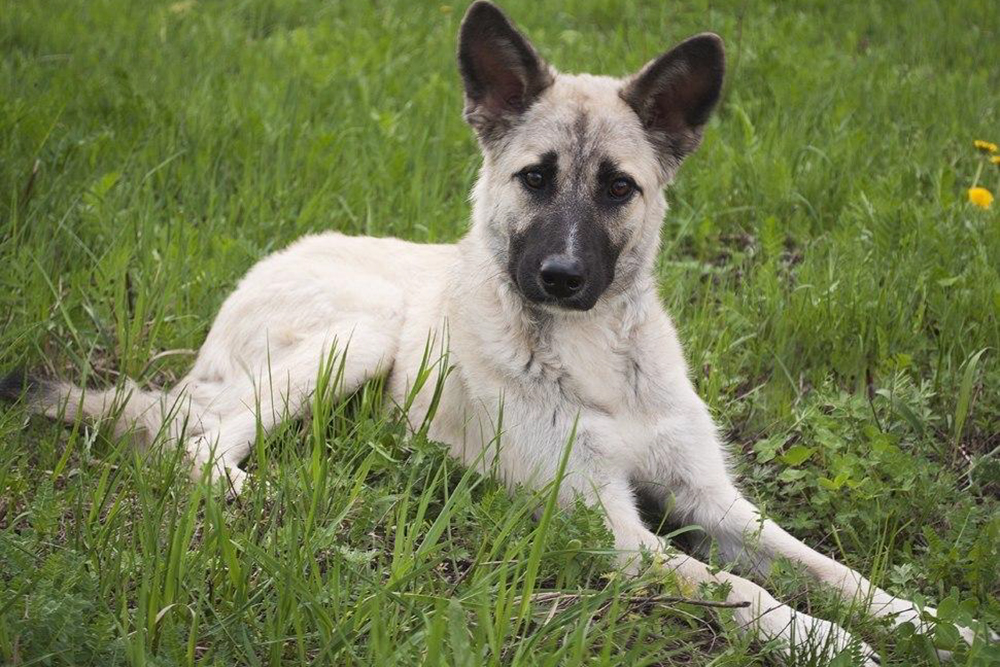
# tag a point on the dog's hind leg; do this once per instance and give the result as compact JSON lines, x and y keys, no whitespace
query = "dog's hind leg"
{"x":279,"y":389}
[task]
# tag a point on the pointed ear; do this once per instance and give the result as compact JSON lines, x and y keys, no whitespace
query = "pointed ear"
{"x":675,"y":94}
{"x":501,"y":71}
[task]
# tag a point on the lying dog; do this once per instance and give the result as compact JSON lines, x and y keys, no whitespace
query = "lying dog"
{"x":547,"y":311}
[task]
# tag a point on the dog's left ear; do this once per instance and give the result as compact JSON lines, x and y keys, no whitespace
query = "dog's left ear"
{"x":675,"y":94}
{"x":502,"y":72}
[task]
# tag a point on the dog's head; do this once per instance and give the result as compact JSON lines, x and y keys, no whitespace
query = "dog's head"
{"x":570,"y":197}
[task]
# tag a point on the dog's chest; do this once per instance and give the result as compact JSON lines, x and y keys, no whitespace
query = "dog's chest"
{"x":594,"y":369}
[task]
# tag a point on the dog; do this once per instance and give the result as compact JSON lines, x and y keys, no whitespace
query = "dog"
{"x":546,"y":315}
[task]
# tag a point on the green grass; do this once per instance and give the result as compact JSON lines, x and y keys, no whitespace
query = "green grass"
{"x":837,"y":295}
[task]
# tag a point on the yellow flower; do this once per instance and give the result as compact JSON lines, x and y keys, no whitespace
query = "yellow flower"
{"x":981,"y":197}
{"x":995,"y":159}
{"x":985,"y":146}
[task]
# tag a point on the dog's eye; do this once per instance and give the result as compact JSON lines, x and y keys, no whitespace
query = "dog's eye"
{"x":534,"y":179}
{"x":621,"y":188}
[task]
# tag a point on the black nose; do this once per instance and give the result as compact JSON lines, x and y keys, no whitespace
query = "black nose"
{"x":561,"y":277}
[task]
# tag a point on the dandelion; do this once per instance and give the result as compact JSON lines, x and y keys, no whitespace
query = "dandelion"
{"x":985,"y":146}
{"x":981,"y":197}
{"x":995,"y":159}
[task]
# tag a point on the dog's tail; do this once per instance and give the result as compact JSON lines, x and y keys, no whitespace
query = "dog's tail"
{"x":127,"y":407}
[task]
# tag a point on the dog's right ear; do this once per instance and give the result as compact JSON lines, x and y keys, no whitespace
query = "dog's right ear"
{"x":502,"y":72}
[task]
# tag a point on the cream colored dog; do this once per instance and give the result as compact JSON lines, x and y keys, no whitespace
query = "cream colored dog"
{"x":547,"y":311}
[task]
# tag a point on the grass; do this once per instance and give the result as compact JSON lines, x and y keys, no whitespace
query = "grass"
{"x":837,"y":294}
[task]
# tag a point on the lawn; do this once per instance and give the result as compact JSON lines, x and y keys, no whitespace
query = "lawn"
{"x":837,"y":293}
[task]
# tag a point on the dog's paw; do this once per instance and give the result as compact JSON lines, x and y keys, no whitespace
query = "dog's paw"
{"x":814,"y":638}
{"x":806,"y":639}
{"x":229,"y":481}
{"x":233,"y":480}
{"x":969,"y":635}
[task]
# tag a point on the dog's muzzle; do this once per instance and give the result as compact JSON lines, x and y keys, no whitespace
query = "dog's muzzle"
{"x":546,"y":274}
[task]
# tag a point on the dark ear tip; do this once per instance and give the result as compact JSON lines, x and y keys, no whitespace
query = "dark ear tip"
{"x":481,"y":18}
{"x":707,"y":45}
{"x":482,"y":5}
{"x":711,"y":37}
{"x":482,"y":10}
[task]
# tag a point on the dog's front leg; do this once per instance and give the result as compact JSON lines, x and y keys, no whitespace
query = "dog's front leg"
{"x":760,"y":614}
{"x":746,"y":537}
{"x":691,"y":467}
{"x":804,"y":637}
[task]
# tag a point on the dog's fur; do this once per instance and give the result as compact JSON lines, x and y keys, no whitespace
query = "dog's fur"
{"x":603,"y":357}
